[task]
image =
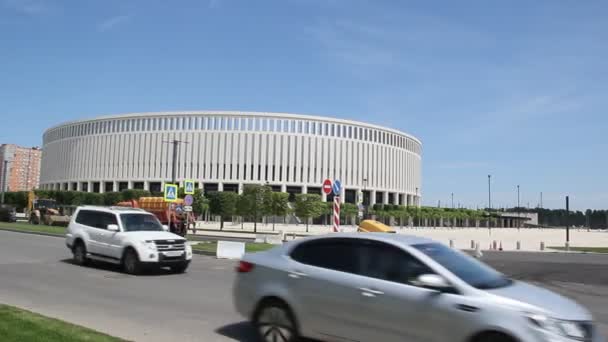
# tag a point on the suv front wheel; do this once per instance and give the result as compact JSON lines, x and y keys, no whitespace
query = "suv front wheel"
{"x":80,"y":253}
{"x":131,"y":263}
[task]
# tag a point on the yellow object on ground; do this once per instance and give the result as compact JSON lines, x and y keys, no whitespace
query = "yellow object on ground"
{"x":371,"y":226}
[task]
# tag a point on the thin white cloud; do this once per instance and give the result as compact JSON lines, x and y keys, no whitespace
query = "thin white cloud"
{"x":112,"y":22}
{"x":463,"y":165}
{"x":28,"y":7}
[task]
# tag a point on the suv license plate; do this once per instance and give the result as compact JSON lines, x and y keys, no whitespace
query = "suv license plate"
{"x":173,"y":253}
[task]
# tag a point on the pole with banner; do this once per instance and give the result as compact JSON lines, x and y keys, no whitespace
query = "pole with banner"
{"x":337,"y":187}
{"x":336,"y":214}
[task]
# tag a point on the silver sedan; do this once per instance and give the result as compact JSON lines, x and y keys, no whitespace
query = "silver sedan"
{"x":389,"y":287}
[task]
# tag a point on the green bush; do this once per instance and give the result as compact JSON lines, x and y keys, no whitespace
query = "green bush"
{"x":112,"y":198}
{"x":134,"y":194}
{"x":18,"y":199}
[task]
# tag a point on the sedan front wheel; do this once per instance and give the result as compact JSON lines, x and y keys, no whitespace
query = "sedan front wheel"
{"x":274,"y":322}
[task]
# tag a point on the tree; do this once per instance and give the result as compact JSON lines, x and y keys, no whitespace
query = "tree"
{"x":242,"y":208}
{"x":201,"y":203}
{"x":277,"y":204}
{"x":309,"y":206}
{"x":254,"y":195}
{"x":17,"y":199}
{"x":222,"y":204}
{"x":348,"y":210}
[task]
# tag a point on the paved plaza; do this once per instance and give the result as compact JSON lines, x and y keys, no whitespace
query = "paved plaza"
{"x":530,"y":238}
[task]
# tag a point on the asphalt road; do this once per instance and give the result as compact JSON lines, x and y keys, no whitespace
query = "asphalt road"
{"x":36,"y":274}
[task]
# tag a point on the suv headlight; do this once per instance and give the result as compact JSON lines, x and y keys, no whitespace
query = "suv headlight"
{"x":557,"y":326}
{"x":149,"y":244}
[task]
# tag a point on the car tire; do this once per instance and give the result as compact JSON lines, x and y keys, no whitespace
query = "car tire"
{"x":131,"y":263}
{"x":274,"y":321}
{"x":79,"y":252}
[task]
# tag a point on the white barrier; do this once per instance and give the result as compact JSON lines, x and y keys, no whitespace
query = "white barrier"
{"x":230,"y":250}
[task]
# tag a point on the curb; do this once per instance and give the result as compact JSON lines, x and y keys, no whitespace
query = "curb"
{"x":203,"y":253}
{"x":32,"y":233}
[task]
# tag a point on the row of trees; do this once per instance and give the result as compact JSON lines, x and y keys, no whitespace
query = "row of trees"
{"x":258,"y":201}
{"x":559,"y":217}
{"x":75,"y":198}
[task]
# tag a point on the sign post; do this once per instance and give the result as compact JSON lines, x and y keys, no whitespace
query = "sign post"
{"x":337,"y":187}
{"x":336,"y":214}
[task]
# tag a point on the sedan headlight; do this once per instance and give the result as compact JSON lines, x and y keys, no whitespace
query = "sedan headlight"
{"x":557,"y":326}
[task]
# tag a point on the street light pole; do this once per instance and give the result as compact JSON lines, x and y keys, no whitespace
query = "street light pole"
{"x":365,"y":203}
{"x":567,"y":223}
{"x":3,"y":183}
{"x":489,"y":193}
{"x":175,"y":144}
{"x":452,"y":200}
{"x":518,"y":210}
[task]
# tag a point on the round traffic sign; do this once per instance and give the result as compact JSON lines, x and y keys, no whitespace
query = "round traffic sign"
{"x":188,"y":200}
{"x":337,"y":187}
{"x":327,"y":186}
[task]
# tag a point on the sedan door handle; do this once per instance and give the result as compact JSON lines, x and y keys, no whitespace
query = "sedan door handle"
{"x":296,"y":275}
{"x":370,"y":292}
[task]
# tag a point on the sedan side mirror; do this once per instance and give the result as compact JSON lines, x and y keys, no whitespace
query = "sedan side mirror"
{"x":165,"y":227}
{"x":112,"y":227}
{"x":432,"y":281}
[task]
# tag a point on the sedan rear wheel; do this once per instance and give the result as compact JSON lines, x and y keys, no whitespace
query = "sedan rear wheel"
{"x":275,"y":323}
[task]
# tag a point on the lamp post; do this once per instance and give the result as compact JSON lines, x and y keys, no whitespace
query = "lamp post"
{"x":452,"y":200}
{"x":3,"y":183}
{"x":518,"y":210}
{"x":175,"y":144}
{"x":365,"y":203}
{"x":489,"y":193}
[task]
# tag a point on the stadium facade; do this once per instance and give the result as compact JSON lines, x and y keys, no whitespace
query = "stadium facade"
{"x":222,"y":151}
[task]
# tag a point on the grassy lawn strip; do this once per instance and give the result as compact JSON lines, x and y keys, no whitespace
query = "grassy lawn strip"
{"x":583,"y":249}
{"x":18,"y":325}
{"x":250,"y":247}
{"x":26,"y":227}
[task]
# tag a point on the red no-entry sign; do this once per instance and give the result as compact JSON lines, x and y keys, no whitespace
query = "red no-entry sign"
{"x":327,"y":186}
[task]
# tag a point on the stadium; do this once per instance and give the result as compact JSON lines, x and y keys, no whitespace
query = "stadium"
{"x":222,"y":151}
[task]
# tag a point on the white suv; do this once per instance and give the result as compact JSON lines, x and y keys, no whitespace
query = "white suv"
{"x":129,"y":237}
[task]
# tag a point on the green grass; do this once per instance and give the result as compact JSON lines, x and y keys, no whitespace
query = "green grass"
{"x":250,"y":247}
{"x":583,"y":249}
{"x":18,"y":325}
{"x":26,"y":227}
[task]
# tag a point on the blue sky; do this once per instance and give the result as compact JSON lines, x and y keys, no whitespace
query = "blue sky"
{"x":515,"y":89}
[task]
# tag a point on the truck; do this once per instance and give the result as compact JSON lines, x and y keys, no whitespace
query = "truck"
{"x":46,"y":211}
{"x":168,"y":213}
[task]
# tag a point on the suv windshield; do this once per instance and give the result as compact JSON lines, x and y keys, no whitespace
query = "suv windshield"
{"x":464,"y":267}
{"x":140,"y":222}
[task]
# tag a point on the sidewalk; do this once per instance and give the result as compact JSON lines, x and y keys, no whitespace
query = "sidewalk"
{"x":530,"y":239}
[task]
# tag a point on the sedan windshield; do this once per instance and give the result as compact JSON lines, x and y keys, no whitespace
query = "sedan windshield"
{"x":140,"y":222}
{"x":468,"y":269}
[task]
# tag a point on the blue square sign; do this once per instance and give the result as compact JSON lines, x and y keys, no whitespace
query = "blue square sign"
{"x":189,"y":187}
{"x":170,"y":194}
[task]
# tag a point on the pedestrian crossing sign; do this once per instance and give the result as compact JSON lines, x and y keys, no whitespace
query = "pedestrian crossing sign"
{"x":189,"y":187}
{"x":170,"y":194}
